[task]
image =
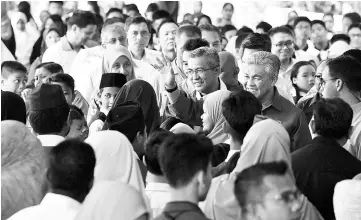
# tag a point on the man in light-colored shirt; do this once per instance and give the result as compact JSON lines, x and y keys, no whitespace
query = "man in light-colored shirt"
{"x":81,"y":27}
{"x":70,"y":176}
{"x":345,"y":83}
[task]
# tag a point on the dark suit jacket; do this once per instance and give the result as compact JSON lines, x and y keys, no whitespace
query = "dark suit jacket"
{"x":181,"y":211}
{"x":318,"y":167}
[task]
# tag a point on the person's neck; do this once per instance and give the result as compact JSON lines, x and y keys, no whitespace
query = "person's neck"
{"x":286,"y":63}
{"x":301,"y":43}
{"x":321,"y":45}
{"x":213,"y":88}
{"x":79,"y":198}
{"x":350,"y":98}
{"x":169,"y":54}
{"x":137,"y":54}
{"x":267,"y":99}
{"x":152,"y":178}
{"x":342,"y":141}
{"x":188,"y":193}
{"x":71,"y":39}
{"x":235,"y":143}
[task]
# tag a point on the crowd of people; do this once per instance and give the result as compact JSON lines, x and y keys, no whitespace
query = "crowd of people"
{"x":146,"y":117}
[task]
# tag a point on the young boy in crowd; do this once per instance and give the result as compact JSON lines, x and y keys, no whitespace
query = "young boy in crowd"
{"x":78,"y":126}
{"x":185,"y":160}
{"x":44,"y":71}
{"x":110,"y":85}
{"x":13,"y":77}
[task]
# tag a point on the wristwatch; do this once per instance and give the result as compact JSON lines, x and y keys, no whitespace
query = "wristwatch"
{"x":171,"y":90}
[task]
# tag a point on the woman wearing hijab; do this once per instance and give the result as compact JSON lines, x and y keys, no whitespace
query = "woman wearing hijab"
{"x":112,"y":200}
{"x":266,"y":141}
{"x":213,"y":120}
{"x":7,"y":34}
{"x":24,"y":37}
{"x":12,"y":107}
{"x":347,"y":200}
{"x":116,"y":159}
{"x":142,"y":92}
{"x":22,"y":168}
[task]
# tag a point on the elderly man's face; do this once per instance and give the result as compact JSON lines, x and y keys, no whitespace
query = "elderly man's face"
{"x":257,"y":81}
{"x":114,"y":37}
{"x":204,"y":76}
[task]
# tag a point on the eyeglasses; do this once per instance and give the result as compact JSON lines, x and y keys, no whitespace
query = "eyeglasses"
{"x":198,"y":71}
{"x":323,"y":81}
{"x":288,"y":196}
{"x":280,"y":45}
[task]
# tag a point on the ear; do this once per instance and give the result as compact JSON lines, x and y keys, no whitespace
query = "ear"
{"x":2,"y":81}
{"x":339,"y":85}
{"x":349,"y":132}
{"x":236,"y":70}
{"x":225,"y":127}
{"x":237,"y":50}
{"x":313,"y":126}
{"x":294,"y":80}
{"x":74,"y":28}
{"x":201,"y":178}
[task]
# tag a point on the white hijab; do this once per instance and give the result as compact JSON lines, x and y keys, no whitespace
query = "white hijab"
{"x":111,"y":200}
{"x":347,"y":200}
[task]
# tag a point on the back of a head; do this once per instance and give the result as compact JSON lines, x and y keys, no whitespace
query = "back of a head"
{"x":9,"y":67}
{"x":152,"y":146}
{"x":161,"y":14}
{"x":244,"y":30}
{"x":347,"y":69}
{"x":189,"y":31}
{"x":152,"y":7}
{"x":281,"y":29}
{"x":340,"y":37}
{"x":240,"y":39}
{"x":239,"y":111}
{"x":52,"y":67}
{"x":12,"y":107}
{"x":63,"y":78}
{"x":332,"y":118}
{"x":22,"y":168}
{"x":183,"y":156}
{"x":117,"y":10}
{"x":132,"y":7}
{"x":71,"y":167}
{"x":353,"y":16}
{"x":195,"y":43}
{"x":257,"y":41}
{"x":82,"y":19}
{"x":136,"y":20}
{"x":355,"y":53}
{"x":250,"y":184}
{"x":264,"y":26}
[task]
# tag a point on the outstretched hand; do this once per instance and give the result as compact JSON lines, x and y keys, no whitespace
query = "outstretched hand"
{"x":166,"y":71}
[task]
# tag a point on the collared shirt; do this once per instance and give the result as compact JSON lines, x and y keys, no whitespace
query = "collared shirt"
{"x":292,"y":119}
{"x":53,"y":206}
{"x":182,"y":210}
{"x":50,"y":140}
{"x":158,"y":195}
{"x":230,"y":154}
{"x":61,"y":53}
{"x":354,"y":143}
{"x":143,"y":68}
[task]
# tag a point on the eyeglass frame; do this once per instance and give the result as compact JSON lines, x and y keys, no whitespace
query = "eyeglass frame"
{"x":198,"y":70}
{"x":323,"y":82}
{"x":280,"y":46}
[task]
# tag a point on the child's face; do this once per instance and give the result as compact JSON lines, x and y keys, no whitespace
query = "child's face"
{"x":68,"y":93}
{"x":41,"y":74}
{"x":79,"y":129}
{"x":15,"y":82}
{"x":107,"y":97}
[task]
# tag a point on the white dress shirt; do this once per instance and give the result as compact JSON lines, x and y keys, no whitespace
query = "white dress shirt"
{"x":53,"y":206}
{"x":50,"y":140}
{"x":353,"y":145}
{"x":159,"y":196}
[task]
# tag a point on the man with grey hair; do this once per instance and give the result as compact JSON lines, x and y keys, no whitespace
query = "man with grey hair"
{"x":203,"y":70}
{"x":261,"y":75}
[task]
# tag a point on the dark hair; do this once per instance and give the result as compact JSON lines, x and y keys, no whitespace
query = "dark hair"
{"x":250,"y":181}
{"x":225,"y":5}
{"x":240,"y":39}
{"x":185,"y":22}
{"x":195,"y":43}
{"x":189,"y":30}
{"x":354,"y":25}
{"x":355,"y":53}
{"x":239,"y":111}
{"x":82,"y":19}
{"x":281,"y":29}
{"x":51,"y":67}
{"x":151,"y":150}
{"x":328,"y":14}
{"x":152,"y":7}
{"x":182,"y":156}
{"x":9,"y":67}
{"x":71,"y":167}
{"x":210,"y":28}
{"x":63,"y":78}
{"x":318,"y":22}
{"x":95,"y":6}
{"x":227,"y":27}
{"x":132,"y":7}
{"x":136,"y":20}
{"x":294,"y":73}
{"x":333,"y":118}
{"x":57,"y":2}
{"x":301,"y":19}
{"x":160,"y":14}
{"x":24,"y":7}
{"x":347,"y":69}
{"x":338,"y":37}
{"x":115,"y":10}
{"x":264,"y":26}
{"x":353,"y":16}
{"x":75,"y":113}
{"x":257,"y":41}
{"x":204,"y":16}
{"x":49,"y":121}
{"x":166,"y":21}
{"x":244,"y":30}
{"x":111,"y":21}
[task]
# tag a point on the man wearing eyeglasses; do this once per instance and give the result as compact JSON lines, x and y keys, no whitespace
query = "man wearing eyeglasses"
{"x":342,"y":78}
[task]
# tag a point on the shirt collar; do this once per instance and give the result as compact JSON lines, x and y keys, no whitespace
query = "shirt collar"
{"x":276,"y":102}
{"x":182,"y":206}
{"x":50,"y":140}
{"x":222,"y":86}
{"x":284,"y":71}
{"x":66,"y":45}
{"x":52,"y":199}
